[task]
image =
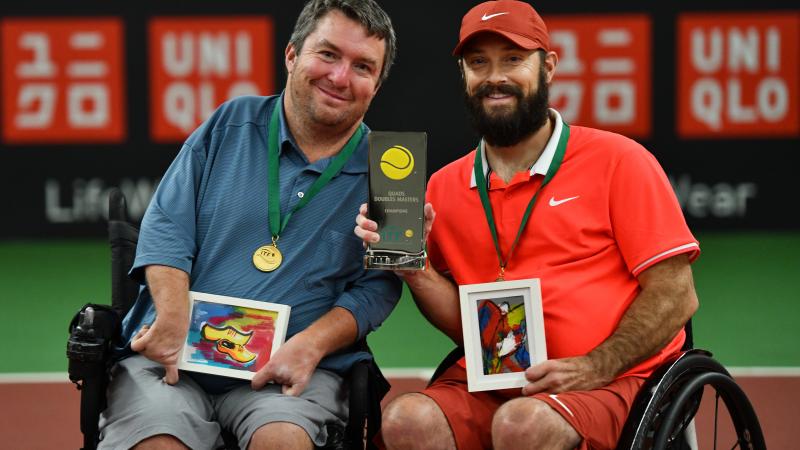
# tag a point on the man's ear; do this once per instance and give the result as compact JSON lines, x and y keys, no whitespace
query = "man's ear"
{"x":460,"y":63}
{"x":550,"y":62}
{"x":290,"y":57}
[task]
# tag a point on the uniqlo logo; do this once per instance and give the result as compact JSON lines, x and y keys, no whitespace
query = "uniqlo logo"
{"x":62,"y":80}
{"x":198,"y":63}
{"x":603,"y":75}
{"x":738,"y":75}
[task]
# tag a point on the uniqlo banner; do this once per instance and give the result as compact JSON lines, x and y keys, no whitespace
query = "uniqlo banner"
{"x":196,"y":63}
{"x":63,"y":80}
{"x":603,"y":75}
{"x":738,"y":74}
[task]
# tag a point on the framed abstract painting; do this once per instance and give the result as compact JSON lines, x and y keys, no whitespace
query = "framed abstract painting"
{"x":503,"y":330}
{"x":231,"y":336}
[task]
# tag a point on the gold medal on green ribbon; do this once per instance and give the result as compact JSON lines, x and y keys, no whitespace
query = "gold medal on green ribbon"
{"x":483,"y":192}
{"x":267,"y":258}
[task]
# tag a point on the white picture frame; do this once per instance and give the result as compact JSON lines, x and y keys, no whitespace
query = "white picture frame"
{"x":496,"y":359}
{"x":231,"y":336}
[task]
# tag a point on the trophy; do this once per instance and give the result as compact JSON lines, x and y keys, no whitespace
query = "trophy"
{"x":396,"y":199}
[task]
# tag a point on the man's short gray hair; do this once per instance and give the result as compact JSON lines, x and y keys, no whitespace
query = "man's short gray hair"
{"x":366,"y":12}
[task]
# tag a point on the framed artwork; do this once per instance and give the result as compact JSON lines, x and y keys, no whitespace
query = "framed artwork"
{"x":231,"y":336}
{"x":503,"y":332}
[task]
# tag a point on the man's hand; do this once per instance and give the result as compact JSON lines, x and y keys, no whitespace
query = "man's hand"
{"x":292,"y":366}
{"x":367,"y":229}
{"x":162,"y":344}
{"x":562,"y":375}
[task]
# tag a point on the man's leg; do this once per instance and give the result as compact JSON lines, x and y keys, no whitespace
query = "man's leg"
{"x":415,"y":421}
{"x":583,"y":419}
{"x":161,"y":442}
{"x":530,"y":423}
{"x":280,"y":435}
{"x":445,"y":415}
{"x":144,"y":410}
{"x":269,"y":419}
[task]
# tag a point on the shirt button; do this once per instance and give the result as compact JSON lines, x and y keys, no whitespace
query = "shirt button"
{"x":300,"y":194}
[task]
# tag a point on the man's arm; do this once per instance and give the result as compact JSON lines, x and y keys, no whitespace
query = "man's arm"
{"x":435,"y":295}
{"x":162,"y":341}
{"x":437,"y":299}
{"x":664,"y":305}
{"x":294,"y":363}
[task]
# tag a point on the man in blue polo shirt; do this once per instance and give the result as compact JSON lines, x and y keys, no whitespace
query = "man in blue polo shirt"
{"x":258,"y":204}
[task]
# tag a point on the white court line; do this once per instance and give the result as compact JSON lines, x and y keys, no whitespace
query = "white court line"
{"x":764,"y":371}
{"x":756,"y":371}
{"x":34,"y":377}
{"x":422,"y":373}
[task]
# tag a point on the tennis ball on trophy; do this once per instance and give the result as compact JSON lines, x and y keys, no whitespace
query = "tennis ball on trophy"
{"x":397,"y":162}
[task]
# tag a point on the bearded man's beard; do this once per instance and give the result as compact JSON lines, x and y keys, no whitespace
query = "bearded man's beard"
{"x":506,"y":127}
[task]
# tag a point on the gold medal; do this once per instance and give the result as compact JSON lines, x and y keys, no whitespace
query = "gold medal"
{"x":267,"y":258}
{"x":501,"y":276}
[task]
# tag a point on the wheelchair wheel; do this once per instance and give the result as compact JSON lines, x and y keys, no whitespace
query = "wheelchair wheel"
{"x":670,"y":399}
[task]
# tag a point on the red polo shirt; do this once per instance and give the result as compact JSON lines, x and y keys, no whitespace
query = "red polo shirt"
{"x":608,"y":214}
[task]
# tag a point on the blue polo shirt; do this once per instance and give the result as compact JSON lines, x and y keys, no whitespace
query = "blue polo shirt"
{"x":209,"y":214}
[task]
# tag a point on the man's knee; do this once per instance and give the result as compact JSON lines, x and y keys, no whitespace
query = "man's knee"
{"x":532,"y":422}
{"x":280,"y":435}
{"x":161,"y":442}
{"x":415,"y":421}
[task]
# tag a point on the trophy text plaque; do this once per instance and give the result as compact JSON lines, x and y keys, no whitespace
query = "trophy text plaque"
{"x":397,"y":176}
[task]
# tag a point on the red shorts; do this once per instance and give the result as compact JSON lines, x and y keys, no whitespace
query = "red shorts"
{"x":598,"y":415}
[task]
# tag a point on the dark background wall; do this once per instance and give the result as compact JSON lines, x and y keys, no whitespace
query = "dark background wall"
{"x":724,"y":181}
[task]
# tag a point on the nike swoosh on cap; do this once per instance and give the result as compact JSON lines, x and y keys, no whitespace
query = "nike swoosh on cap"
{"x":487,"y":17}
{"x":554,"y":202}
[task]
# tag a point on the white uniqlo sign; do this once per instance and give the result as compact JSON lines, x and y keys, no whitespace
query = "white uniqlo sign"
{"x":62,"y":80}
{"x":198,"y":63}
{"x":603,"y":73}
{"x":738,"y":75}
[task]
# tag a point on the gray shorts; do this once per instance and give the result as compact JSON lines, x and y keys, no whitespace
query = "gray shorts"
{"x":141,"y":405}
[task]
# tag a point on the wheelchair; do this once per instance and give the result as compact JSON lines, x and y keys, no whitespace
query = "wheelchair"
{"x":661,"y":417}
{"x":95,"y":330}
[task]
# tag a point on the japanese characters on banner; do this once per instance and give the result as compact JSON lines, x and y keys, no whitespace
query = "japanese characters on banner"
{"x":198,"y":63}
{"x":63,"y":80}
{"x":603,"y":73}
{"x":738,"y":75}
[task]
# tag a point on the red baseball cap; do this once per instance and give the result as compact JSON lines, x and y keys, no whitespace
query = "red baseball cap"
{"x":514,"y":20}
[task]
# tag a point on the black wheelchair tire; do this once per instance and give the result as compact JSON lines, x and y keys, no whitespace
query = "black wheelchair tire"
{"x":671,"y":397}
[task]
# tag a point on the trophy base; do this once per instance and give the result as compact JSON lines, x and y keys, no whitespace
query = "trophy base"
{"x":394,"y":260}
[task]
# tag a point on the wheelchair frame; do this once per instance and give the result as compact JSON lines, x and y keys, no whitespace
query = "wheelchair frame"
{"x":670,"y":397}
{"x":662,"y":413}
{"x":96,"y":328}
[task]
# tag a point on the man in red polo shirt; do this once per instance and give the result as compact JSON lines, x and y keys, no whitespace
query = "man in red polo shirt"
{"x":589,"y":213}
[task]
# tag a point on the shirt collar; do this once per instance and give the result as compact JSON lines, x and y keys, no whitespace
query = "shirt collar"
{"x":358,"y":163}
{"x":542,"y":164}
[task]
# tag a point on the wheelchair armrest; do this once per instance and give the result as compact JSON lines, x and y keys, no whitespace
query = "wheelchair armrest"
{"x":92,"y":331}
{"x":367,"y":386}
{"x":451,"y":358}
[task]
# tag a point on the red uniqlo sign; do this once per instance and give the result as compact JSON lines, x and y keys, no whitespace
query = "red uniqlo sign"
{"x":738,"y":75}
{"x":603,"y":75}
{"x":198,"y":63}
{"x":62,"y":80}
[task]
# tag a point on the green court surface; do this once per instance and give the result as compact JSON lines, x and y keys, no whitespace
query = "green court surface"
{"x":748,"y":284}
